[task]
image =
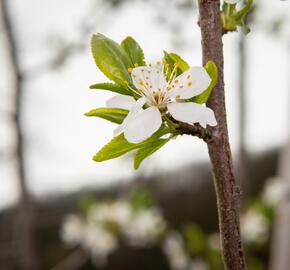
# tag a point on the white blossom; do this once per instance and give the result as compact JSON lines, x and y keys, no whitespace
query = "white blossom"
{"x":232,"y":1}
{"x":254,"y":227}
{"x":174,"y":249}
{"x":72,"y":230}
{"x":99,"y":243}
{"x":145,"y":227}
{"x":214,"y":241}
{"x":198,"y":264}
{"x":118,"y":212}
{"x":274,"y":191}
{"x":157,"y":93}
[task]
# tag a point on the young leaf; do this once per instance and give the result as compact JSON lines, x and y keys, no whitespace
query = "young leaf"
{"x":212,"y":71}
{"x":111,"y":59}
{"x":134,"y":51}
{"x":119,"y":146}
{"x":147,"y":150}
{"x":114,"y":115}
{"x":182,"y":64}
{"x":112,"y":87}
{"x":171,"y":59}
{"x":244,"y":11}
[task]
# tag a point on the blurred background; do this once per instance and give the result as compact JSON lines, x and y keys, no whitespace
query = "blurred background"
{"x":51,"y":191}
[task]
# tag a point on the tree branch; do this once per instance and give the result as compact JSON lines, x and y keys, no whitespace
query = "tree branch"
{"x":24,"y":227}
{"x":73,"y":261}
{"x":196,"y":130}
{"x":227,"y":191}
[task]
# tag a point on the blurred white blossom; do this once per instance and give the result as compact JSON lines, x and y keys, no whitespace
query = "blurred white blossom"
{"x":214,"y":241}
{"x":145,"y":227}
{"x":274,"y":191}
{"x":174,"y":249}
{"x":254,"y":227}
{"x":99,"y":232}
{"x":198,"y":264}
{"x":99,"y":243}
{"x":118,"y":212}
{"x":72,"y":230}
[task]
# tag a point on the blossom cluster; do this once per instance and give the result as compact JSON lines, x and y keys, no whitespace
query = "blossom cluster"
{"x":160,"y":95}
{"x":256,"y":222}
{"x":152,"y":101}
{"x":105,"y":224}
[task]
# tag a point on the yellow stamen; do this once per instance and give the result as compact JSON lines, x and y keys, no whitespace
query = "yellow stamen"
{"x":189,"y":83}
{"x":130,"y":70}
{"x":178,"y":96}
{"x":136,"y":65}
{"x":188,"y":76}
{"x":176,"y":81}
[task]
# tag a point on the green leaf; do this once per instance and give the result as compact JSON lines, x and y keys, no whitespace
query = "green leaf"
{"x":245,"y":28}
{"x":147,"y":150}
{"x":114,"y":115}
{"x":182,"y":64}
{"x":112,"y":87}
{"x":111,"y":59}
{"x":171,"y":59}
{"x":244,"y":11}
{"x":134,"y":51}
{"x":195,"y":239}
{"x":141,"y":199}
{"x":212,"y":71}
{"x":119,"y":146}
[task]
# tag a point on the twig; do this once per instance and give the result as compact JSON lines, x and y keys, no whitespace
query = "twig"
{"x":196,"y":130}
{"x":24,"y":233}
{"x":226,"y":188}
{"x":73,"y":261}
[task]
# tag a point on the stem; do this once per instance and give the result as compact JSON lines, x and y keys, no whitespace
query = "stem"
{"x":227,"y":191}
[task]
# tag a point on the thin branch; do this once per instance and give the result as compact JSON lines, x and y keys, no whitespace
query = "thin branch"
{"x":73,"y":261}
{"x":196,"y":130}
{"x":24,"y":234}
{"x":227,"y":191}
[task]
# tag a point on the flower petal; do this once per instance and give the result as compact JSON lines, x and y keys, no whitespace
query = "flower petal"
{"x":190,"y":112}
{"x":135,"y":110}
{"x":231,"y":1}
{"x":143,"y":125}
{"x":121,"y":101}
{"x":190,"y":83}
{"x":148,"y":79}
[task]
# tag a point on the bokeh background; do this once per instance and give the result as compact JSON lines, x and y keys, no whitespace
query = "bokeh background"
{"x":47,"y":144}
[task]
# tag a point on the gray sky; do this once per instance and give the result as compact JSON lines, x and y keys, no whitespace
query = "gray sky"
{"x":61,"y":141}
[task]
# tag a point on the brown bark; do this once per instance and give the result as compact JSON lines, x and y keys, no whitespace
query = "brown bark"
{"x":24,"y":230}
{"x":227,"y":191}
